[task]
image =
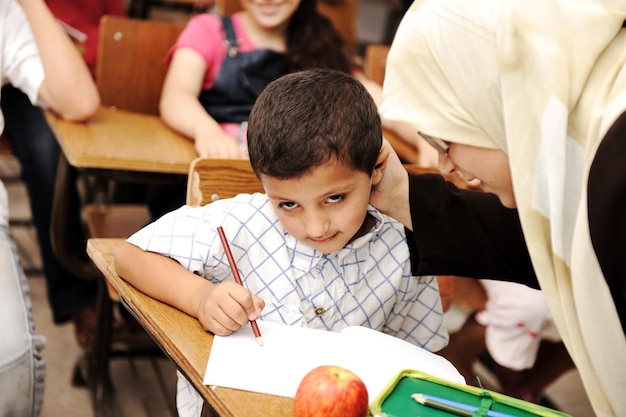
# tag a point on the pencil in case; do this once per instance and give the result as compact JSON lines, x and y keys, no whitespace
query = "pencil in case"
{"x":396,"y":399}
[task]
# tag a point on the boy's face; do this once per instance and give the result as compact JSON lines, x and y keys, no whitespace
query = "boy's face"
{"x":324,"y":208}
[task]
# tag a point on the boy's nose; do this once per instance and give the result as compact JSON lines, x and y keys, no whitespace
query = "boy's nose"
{"x":316,"y":225}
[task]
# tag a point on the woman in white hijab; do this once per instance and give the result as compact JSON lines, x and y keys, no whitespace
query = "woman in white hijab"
{"x":527,"y":96}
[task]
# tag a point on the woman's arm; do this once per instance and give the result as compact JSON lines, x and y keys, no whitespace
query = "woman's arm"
{"x":466,"y":233}
{"x":457,"y":232}
{"x":68,"y":87}
{"x":181,"y":109}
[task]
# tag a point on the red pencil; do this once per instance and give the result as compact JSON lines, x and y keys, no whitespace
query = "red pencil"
{"x":233,"y":267}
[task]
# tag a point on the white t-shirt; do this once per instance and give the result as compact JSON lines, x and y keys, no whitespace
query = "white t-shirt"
{"x":20,"y":65}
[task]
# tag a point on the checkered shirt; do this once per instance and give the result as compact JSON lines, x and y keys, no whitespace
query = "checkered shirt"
{"x":367,"y":283}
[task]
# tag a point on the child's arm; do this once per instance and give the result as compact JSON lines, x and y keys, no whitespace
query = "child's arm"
{"x":181,"y":109}
{"x":220,"y":308}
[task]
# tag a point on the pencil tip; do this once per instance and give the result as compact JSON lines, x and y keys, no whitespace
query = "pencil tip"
{"x":259,"y":340}
{"x":419,"y":398}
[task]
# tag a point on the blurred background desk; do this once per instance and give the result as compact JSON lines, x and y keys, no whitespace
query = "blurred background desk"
{"x":185,"y":342}
{"x":114,"y":145}
{"x":124,"y":141}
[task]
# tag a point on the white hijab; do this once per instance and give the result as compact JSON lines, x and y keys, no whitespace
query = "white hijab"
{"x":541,"y":80}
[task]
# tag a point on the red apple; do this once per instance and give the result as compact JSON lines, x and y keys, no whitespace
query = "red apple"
{"x":331,"y":391}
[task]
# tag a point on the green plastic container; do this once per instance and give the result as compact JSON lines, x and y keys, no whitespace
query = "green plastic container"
{"x":396,"y":401}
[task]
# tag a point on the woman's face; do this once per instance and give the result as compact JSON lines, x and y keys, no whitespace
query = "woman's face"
{"x":271,"y":14}
{"x":489,"y":166}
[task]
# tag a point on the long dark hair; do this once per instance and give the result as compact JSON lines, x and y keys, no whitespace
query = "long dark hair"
{"x":314,"y":42}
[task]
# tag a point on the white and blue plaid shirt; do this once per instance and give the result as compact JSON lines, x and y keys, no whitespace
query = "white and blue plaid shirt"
{"x":367,"y":283}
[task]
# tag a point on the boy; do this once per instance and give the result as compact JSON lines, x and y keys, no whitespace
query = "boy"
{"x":311,"y":252}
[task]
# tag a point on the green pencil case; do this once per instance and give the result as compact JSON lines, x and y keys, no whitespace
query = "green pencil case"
{"x":396,"y":399}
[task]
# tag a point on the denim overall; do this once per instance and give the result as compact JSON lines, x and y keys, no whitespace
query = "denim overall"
{"x":240,"y":80}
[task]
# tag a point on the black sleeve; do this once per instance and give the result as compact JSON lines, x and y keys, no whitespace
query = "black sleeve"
{"x":465,"y":233}
{"x":606,"y":198}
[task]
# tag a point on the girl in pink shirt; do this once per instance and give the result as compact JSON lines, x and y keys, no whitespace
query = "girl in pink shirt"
{"x":213,"y":81}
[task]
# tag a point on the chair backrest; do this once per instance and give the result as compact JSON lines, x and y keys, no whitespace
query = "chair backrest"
{"x":343,"y":13}
{"x":131,"y":62}
{"x":213,"y":179}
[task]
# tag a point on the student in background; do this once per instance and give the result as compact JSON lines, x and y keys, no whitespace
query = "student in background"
{"x":39,"y":59}
{"x":311,"y":251}
{"x":35,"y":146}
{"x":218,"y":68}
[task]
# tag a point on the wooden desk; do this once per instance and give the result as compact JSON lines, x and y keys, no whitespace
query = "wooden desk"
{"x":182,"y":338}
{"x":118,"y":145}
{"x":126,"y":141}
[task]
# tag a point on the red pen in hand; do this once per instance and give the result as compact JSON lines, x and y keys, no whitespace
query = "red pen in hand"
{"x":233,"y":268}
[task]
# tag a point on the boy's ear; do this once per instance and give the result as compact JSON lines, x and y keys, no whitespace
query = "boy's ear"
{"x":381,"y":163}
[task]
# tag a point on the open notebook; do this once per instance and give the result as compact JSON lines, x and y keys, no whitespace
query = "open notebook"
{"x":290,"y":352}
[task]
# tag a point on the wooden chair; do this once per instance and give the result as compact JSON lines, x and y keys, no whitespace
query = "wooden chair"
{"x":131,"y":62}
{"x":129,"y":75}
{"x":214,"y":179}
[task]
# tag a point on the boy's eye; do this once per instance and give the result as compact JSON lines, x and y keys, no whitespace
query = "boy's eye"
{"x":336,"y":198}
{"x":287,"y":205}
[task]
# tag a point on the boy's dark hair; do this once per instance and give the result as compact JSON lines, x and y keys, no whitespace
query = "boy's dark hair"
{"x":308,"y":118}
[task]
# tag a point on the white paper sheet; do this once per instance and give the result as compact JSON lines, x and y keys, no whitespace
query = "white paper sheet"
{"x":290,"y":352}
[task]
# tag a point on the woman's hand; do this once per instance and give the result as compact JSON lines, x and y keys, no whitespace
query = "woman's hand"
{"x":226,"y":307}
{"x":391,"y":194}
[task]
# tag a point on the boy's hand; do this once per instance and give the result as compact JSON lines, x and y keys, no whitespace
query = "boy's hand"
{"x":226,"y":307}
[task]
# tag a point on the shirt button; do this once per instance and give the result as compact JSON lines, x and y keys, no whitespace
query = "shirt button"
{"x":319,"y":311}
